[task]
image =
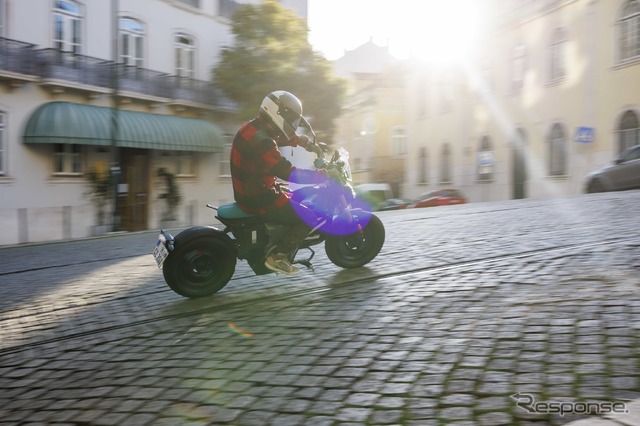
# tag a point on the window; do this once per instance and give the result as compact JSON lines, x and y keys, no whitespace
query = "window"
{"x":192,"y":3}
{"x":2,"y":143}
{"x":185,"y":164}
{"x":3,"y":23}
{"x":421,"y":94}
{"x":485,"y":159}
{"x":518,"y":69}
{"x":628,"y":131}
{"x":226,"y":8}
{"x":131,"y":42}
{"x":185,"y":56}
{"x":446,"y":91}
{"x":445,"y":164}
{"x":67,"y":159}
{"x":629,"y":31}
{"x":482,"y":82}
{"x":423,"y":166}
{"x":557,"y":56}
{"x":398,"y":141}
{"x":225,"y":166}
{"x":631,"y":155}
{"x":67,"y":24}
{"x":557,"y":145}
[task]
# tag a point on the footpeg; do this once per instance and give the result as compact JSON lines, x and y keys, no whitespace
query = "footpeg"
{"x":307,"y":262}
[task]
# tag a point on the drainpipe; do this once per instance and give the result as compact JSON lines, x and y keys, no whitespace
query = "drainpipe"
{"x":115,"y":160}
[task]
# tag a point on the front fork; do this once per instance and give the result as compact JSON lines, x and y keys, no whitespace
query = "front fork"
{"x":344,"y":207}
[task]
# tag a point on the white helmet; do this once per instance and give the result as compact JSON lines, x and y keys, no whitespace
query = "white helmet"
{"x":284,"y":110}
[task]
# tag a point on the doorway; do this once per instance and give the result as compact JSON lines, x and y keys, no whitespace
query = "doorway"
{"x":519,"y":165}
{"x":133,"y":191}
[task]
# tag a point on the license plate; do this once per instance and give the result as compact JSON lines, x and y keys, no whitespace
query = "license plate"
{"x":160,"y":251}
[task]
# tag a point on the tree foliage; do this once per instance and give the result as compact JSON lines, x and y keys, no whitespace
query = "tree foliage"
{"x":271,"y":52}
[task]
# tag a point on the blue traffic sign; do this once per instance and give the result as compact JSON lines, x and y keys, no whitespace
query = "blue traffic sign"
{"x":585,"y":134}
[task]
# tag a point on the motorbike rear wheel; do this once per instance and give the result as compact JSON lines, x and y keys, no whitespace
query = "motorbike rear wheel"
{"x":357,"y":249}
{"x":200,"y":266}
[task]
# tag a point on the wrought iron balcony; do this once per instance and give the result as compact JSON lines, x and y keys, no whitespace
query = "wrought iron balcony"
{"x":54,"y":68}
{"x":53,"y":65}
{"x":16,"y":57}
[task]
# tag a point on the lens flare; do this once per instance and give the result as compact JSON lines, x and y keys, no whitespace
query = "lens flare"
{"x":339,"y":220}
{"x":244,"y":333}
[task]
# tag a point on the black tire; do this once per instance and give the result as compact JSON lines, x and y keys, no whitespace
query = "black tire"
{"x":357,"y":249}
{"x":200,"y":266}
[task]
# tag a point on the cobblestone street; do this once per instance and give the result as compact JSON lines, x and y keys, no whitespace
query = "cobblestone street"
{"x":465,"y":308}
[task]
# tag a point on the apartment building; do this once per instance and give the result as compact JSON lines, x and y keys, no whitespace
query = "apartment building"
{"x":373,"y":123}
{"x":551,"y":93}
{"x":108,"y":121}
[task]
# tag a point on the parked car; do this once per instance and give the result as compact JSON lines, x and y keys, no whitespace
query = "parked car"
{"x":623,"y":173}
{"x":393,"y":204}
{"x":374,"y":193}
{"x":441,"y":197}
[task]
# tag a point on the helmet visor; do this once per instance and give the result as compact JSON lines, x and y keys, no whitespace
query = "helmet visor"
{"x":288,"y":116}
{"x":291,"y":121}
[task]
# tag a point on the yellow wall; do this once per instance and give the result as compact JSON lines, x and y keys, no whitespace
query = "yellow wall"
{"x":595,"y":93}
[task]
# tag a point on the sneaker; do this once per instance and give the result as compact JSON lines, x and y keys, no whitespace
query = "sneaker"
{"x":279,"y":263}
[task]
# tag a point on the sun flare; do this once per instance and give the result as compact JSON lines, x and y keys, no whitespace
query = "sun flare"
{"x":428,"y":30}
{"x":440,"y":31}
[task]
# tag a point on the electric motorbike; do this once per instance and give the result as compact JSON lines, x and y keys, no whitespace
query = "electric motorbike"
{"x":201,"y":260}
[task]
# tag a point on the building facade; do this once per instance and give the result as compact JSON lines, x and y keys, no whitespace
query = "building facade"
{"x":552,"y":93}
{"x":373,"y":123}
{"x":108,"y":121}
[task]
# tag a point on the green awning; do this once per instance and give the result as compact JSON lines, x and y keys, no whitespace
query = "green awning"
{"x":71,"y":123}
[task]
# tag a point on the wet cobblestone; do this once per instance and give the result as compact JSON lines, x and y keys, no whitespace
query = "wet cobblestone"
{"x":537,"y":297}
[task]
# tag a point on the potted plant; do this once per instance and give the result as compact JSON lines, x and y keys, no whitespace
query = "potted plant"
{"x":100,"y":191}
{"x":171,"y":196}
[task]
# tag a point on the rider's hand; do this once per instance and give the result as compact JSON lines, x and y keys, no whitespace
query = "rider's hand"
{"x":334,"y":174}
{"x":303,"y":141}
{"x":312,"y":147}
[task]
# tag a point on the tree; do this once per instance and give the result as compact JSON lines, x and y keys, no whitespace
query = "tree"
{"x":271,"y":52}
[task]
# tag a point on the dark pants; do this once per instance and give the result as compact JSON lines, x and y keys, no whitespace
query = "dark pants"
{"x":298,"y":218}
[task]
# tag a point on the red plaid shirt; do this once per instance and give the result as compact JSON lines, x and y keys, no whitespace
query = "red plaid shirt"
{"x":256,"y":162}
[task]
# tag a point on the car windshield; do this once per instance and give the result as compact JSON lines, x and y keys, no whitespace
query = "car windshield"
{"x":449,"y":193}
{"x":631,"y":154}
{"x":427,"y":195}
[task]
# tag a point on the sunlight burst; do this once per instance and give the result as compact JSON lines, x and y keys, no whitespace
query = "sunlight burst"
{"x":430,"y":30}
{"x":440,"y":31}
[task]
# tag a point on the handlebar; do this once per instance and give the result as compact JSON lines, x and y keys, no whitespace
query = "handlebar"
{"x":320,"y":162}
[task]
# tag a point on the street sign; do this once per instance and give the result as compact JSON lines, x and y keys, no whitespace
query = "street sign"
{"x":485,"y":158}
{"x":585,"y":134}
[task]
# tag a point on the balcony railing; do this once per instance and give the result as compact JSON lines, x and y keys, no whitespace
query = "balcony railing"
{"x":52,"y":65}
{"x":16,"y":56}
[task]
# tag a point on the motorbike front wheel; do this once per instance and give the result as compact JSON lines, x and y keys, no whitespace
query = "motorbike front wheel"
{"x":199,"y":266}
{"x":357,"y":249}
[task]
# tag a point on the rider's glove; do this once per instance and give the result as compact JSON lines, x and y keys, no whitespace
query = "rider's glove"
{"x":334,"y":174}
{"x":312,"y":147}
{"x":302,"y":140}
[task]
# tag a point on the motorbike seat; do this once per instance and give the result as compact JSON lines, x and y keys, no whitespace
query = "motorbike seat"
{"x":232,"y":211}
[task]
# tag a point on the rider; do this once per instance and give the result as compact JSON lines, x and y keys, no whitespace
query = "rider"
{"x":256,"y":162}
